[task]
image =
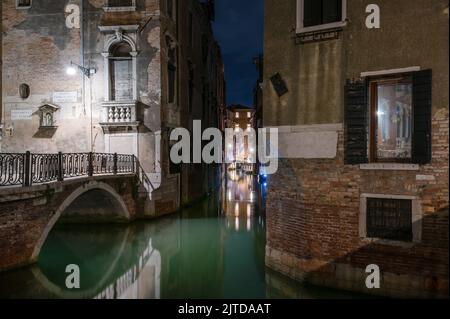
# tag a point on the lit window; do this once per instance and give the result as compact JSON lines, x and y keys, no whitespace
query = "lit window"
{"x":249,"y":115}
{"x":391,"y":123}
{"x":388,"y":118}
{"x":237,"y":115}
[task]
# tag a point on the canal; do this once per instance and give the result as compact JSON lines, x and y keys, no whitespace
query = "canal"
{"x":213,"y":249}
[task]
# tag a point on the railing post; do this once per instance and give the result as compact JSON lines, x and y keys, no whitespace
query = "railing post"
{"x":27,"y":170}
{"x":115,"y":164}
{"x":135,"y":165}
{"x":91,"y":164}
{"x":60,"y":167}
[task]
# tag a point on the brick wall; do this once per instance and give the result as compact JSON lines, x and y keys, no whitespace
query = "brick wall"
{"x":27,"y":214}
{"x":313,"y":209}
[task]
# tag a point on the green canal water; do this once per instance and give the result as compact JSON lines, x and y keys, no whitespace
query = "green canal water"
{"x":214,"y":249}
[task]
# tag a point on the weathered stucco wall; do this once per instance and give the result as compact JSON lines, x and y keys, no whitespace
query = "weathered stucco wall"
{"x":38,"y":47}
{"x":312,"y":72}
{"x":405,"y":39}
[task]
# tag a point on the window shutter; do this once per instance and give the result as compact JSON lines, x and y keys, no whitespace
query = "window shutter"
{"x":422,"y":98}
{"x":332,"y":11}
{"x":356,"y":125}
{"x":312,"y":13}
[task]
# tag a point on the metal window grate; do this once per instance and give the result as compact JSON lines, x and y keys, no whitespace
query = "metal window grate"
{"x":389,"y":219}
{"x":120,"y":3}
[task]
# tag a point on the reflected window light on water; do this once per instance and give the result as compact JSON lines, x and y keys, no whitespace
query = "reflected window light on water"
{"x":236,"y":223}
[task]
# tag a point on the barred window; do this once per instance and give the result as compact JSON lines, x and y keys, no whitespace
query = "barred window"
{"x":121,"y":3}
{"x":389,"y":219}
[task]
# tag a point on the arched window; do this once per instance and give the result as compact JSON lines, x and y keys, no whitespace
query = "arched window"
{"x":121,"y":72}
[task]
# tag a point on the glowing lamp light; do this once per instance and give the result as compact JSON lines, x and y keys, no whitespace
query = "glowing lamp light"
{"x":71,"y":71}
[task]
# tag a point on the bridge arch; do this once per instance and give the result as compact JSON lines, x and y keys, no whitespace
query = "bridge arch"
{"x":104,"y":189}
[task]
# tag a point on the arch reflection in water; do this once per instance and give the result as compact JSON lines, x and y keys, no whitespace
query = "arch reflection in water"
{"x":116,"y":262}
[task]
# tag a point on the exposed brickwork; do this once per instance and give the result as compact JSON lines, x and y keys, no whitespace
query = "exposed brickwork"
{"x":313,"y":209}
{"x":26,"y":213}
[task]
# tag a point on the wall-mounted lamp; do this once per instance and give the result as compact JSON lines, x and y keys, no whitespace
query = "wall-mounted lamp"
{"x":72,"y":70}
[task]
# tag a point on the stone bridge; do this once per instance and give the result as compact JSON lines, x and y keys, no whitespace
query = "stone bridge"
{"x":38,"y":190}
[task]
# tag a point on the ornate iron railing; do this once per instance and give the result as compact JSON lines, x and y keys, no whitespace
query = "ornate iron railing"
{"x":75,"y":164}
{"x":11,"y":169}
{"x":27,"y":169}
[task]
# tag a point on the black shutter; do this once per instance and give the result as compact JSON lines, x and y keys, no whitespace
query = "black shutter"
{"x":422,"y":97}
{"x":312,"y":13}
{"x":356,"y":124}
{"x":332,"y":11}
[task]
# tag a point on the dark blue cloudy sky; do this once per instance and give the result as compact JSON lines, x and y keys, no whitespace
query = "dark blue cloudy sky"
{"x":239,"y":30}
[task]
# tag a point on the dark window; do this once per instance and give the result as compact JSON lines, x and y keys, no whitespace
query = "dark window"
{"x":23,"y":3}
{"x":171,"y":70}
{"x":120,"y":3}
{"x":170,"y":8}
{"x":191,"y":87}
{"x":191,"y":29}
{"x":389,"y":219}
{"x":389,"y":119}
{"x":317,"y":12}
{"x":121,"y":71}
{"x":173,"y":168}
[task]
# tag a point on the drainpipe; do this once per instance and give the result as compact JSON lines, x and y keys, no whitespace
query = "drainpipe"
{"x":82,"y":63}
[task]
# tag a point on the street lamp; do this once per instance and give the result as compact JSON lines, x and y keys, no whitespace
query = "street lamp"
{"x":72,"y":70}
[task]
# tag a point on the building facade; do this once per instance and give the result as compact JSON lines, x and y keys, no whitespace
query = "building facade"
{"x":362,"y":115}
{"x":108,"y":76}
{"x":240,"y":117}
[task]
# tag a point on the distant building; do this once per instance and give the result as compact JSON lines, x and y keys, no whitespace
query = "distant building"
{"x":363,"y":121}
{"x":114,"y":77}
{"x":242,"y":117}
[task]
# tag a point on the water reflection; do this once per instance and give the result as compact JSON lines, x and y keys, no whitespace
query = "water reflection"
{"x":215,"y":249}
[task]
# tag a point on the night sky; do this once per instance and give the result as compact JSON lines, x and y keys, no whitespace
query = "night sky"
{"x":239,"y":29}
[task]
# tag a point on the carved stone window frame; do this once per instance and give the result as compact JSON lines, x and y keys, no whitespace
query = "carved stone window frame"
{"x":114,"y":35}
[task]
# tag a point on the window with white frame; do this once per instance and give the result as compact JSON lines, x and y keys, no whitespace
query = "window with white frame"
{"x":23,"y":4}
{"x":317,"y":15}
{"x":390,"y":218}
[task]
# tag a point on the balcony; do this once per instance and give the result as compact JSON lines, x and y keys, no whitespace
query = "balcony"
{"x":119,"y":114}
